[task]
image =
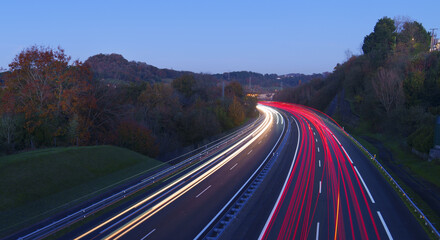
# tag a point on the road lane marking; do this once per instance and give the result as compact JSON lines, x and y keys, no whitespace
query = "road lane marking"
{"x":318,"y":149}
{"x":148,"y":234}
{"x":203,"y":191}
{"x":314,"y":133}
{"x":349,"y":158}
{"x":385,"y":225}
{"x":233,"y":166}
{"x":317,"y":231}
{"x":259,"y":142}
{"x":365,"y":185}
{"x":316,"y":139}
{"x":319,"y":163}
{"x":319,"y":186}
{"x":249,"y":151}
{"x":263,"y":231}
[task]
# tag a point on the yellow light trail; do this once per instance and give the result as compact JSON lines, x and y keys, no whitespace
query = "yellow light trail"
{"x":337,"y":217}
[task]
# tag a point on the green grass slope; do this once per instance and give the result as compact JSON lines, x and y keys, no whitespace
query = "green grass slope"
{"x":36,"y":184}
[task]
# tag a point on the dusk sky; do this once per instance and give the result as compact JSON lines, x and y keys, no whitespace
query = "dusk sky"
{"x":206,"y":36}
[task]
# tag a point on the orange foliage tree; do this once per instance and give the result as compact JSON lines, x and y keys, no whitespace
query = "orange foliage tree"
{"x":47,"y":90}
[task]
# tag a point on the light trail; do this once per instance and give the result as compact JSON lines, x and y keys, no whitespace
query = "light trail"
{"x":348,"y":213}
{"x":245,"y":142}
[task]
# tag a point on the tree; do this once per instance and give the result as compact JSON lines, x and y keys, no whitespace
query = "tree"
{"x":381,"y":41}
{"x":234,"y":89}
{"x":413,"y":38}
{"x":236,"y":112}
{"x":388,"y":88}
{"x":136,"y":137}
{"x":185,"y":85}
{"x":47,"y":90}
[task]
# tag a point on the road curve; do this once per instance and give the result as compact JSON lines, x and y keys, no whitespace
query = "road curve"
{"x":326,"y":189}
{"x":182,"y":208}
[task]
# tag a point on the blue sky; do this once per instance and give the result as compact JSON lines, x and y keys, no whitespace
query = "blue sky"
{"x":206,"y":35}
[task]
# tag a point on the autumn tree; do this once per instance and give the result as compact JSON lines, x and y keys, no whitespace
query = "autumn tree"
{"x":47,"y":90}
{"x":236,"y":112}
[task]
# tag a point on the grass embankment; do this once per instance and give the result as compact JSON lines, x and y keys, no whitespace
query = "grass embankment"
{"x":37,"y":184}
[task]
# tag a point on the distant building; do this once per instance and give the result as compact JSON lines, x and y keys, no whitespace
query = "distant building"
{"x":435,"y":42}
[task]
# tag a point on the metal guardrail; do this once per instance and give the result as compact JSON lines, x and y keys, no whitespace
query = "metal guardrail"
{"x":234,"y":206}
{"x":203,"y":151}
{"x":416,"y":209}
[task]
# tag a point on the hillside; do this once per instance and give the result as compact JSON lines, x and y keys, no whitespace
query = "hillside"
{"x":388,"y":99}
{"x":45,"y":180}
{"x":115,"y":69}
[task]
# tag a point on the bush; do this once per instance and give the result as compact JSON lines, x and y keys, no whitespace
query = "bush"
{"x":136,"y":137}
{"x":422,"y":139}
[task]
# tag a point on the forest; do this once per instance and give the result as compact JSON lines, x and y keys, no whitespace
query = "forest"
{"x":48,"y":100}
{"x":392,"y":88}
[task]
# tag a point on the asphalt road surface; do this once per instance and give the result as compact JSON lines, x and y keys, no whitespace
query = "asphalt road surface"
{"x":330,"y":190}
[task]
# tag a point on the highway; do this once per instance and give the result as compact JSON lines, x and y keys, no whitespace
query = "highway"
{"x":184,"y":203}
{"x":316,"y":184}
{"x":330,"y":191}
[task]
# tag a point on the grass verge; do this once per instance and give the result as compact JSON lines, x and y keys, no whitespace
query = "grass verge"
{"x":38,"y":184}
{"x":400,"y":153}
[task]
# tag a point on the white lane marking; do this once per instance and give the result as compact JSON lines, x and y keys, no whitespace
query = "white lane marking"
{"x":284,"y":186}
{"x":385,"y":225}
{"x":318,"y":149}
{"x":316,"y":139}
{"x":319,"y":186}
{"x":317,"y":231}
{"x":349,"y":158}
{"x":259,"y":142}
{"x":148,"y":234}
{"x":319,"y":163}
{"x":233,"y":166}
{"x":314,"y":133}
{"x":249,"y":151}
{"x":203,"y":191}
{"x":365,"y":185}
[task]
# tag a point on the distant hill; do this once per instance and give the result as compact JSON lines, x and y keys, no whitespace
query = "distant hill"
{"x":116,"y":69}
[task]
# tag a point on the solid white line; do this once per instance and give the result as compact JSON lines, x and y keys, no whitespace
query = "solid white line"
{"x":319,"y":163}
{"x":284,"y":186}
{"x":318,"y":149}
{"x":349,"y":158}
{"x":249,"y":151}
{"x":203,"y":191}
{"x":319,"y":186}
{"x":233,"y":166}
{"x":317,"y":231}
{"x":245,"y":184}
{"x":148,"y":234}
{"x":365,"y":185}
{"x":385,"y":225}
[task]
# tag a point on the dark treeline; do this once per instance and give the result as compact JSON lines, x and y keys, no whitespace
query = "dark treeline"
{"x":393,"y":88}
{"x":47,"y":100}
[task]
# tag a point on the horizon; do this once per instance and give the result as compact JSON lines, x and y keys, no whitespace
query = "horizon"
{"x":268,"y":38}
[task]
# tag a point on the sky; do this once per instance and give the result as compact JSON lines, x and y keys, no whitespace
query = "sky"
{"x":205,"y":35}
